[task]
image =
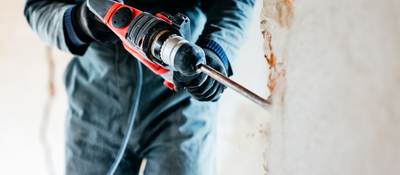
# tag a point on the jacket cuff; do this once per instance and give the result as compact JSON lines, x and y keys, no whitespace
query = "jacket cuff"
{"x":74,"y":43}
{"x":219,"y":51}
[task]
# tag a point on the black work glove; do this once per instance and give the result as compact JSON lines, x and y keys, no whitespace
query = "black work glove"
{"x":201,"y":86}
{"x":89,"y":27}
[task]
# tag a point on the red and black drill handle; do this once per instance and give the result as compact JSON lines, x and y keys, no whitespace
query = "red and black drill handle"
{"x":159,"y":41}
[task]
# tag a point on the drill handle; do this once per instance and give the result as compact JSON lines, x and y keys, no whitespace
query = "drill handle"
{"x":133,"y":28}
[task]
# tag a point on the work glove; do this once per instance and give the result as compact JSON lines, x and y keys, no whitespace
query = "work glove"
{"x":89,"y":27}
{"x":201,"y":86}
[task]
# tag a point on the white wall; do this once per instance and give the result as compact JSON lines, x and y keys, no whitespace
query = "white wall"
{"x":341,"y":111}
{"x":23,"y":93}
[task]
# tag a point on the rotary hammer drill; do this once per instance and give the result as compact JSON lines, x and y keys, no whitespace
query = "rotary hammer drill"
{"x":160,"y":43}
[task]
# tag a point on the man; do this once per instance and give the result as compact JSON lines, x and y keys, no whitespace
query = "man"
{"x":173,"y":132}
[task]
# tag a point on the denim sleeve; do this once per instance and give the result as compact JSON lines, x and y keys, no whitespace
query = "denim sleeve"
{"x":46,"y":18}
{"x":227,"y":21}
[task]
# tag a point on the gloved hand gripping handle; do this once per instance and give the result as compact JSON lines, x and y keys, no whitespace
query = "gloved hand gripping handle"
{"x":171,"y":55}
{"x":157,"y":42}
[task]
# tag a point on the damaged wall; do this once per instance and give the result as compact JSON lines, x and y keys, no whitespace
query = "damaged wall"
{"x":335,"y":76}
{"x":336,"y":86}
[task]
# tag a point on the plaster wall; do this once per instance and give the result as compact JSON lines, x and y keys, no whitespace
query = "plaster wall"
{"x":337,"y":109}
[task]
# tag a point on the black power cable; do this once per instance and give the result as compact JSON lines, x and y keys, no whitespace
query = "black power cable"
{"x":134,"y":109}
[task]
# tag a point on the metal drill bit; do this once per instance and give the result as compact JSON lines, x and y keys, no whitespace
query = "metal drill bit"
{"x":266,"y":104}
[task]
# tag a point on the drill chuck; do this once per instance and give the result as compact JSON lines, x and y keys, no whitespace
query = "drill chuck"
{"x":170,"y":48}
{"x":182,"y":55}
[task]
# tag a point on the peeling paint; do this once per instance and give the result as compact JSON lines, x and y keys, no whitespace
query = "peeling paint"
{"x":285,"y":12}
{"x":276,"y":20}
{"x":328,"y":100}
{"x":277,"y":67}
{"x":271,"y":60}
{"x":280,"y":11}
{"x":276,"y":16}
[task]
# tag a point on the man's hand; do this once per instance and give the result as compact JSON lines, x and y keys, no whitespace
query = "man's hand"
{"x":201,"y":86}
{"x":88,"y":27}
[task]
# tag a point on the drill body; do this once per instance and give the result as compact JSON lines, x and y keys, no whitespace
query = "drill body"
{"x":159,"y":41}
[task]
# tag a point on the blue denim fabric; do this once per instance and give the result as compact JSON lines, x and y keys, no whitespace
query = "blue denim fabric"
{"x":174,"y":133}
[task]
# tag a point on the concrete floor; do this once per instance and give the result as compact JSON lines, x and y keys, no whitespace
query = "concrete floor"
{"x":23,"y":92}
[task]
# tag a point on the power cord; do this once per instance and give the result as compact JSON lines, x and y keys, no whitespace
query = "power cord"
{"x":134,"y":109}
{"x":49,"y":103}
